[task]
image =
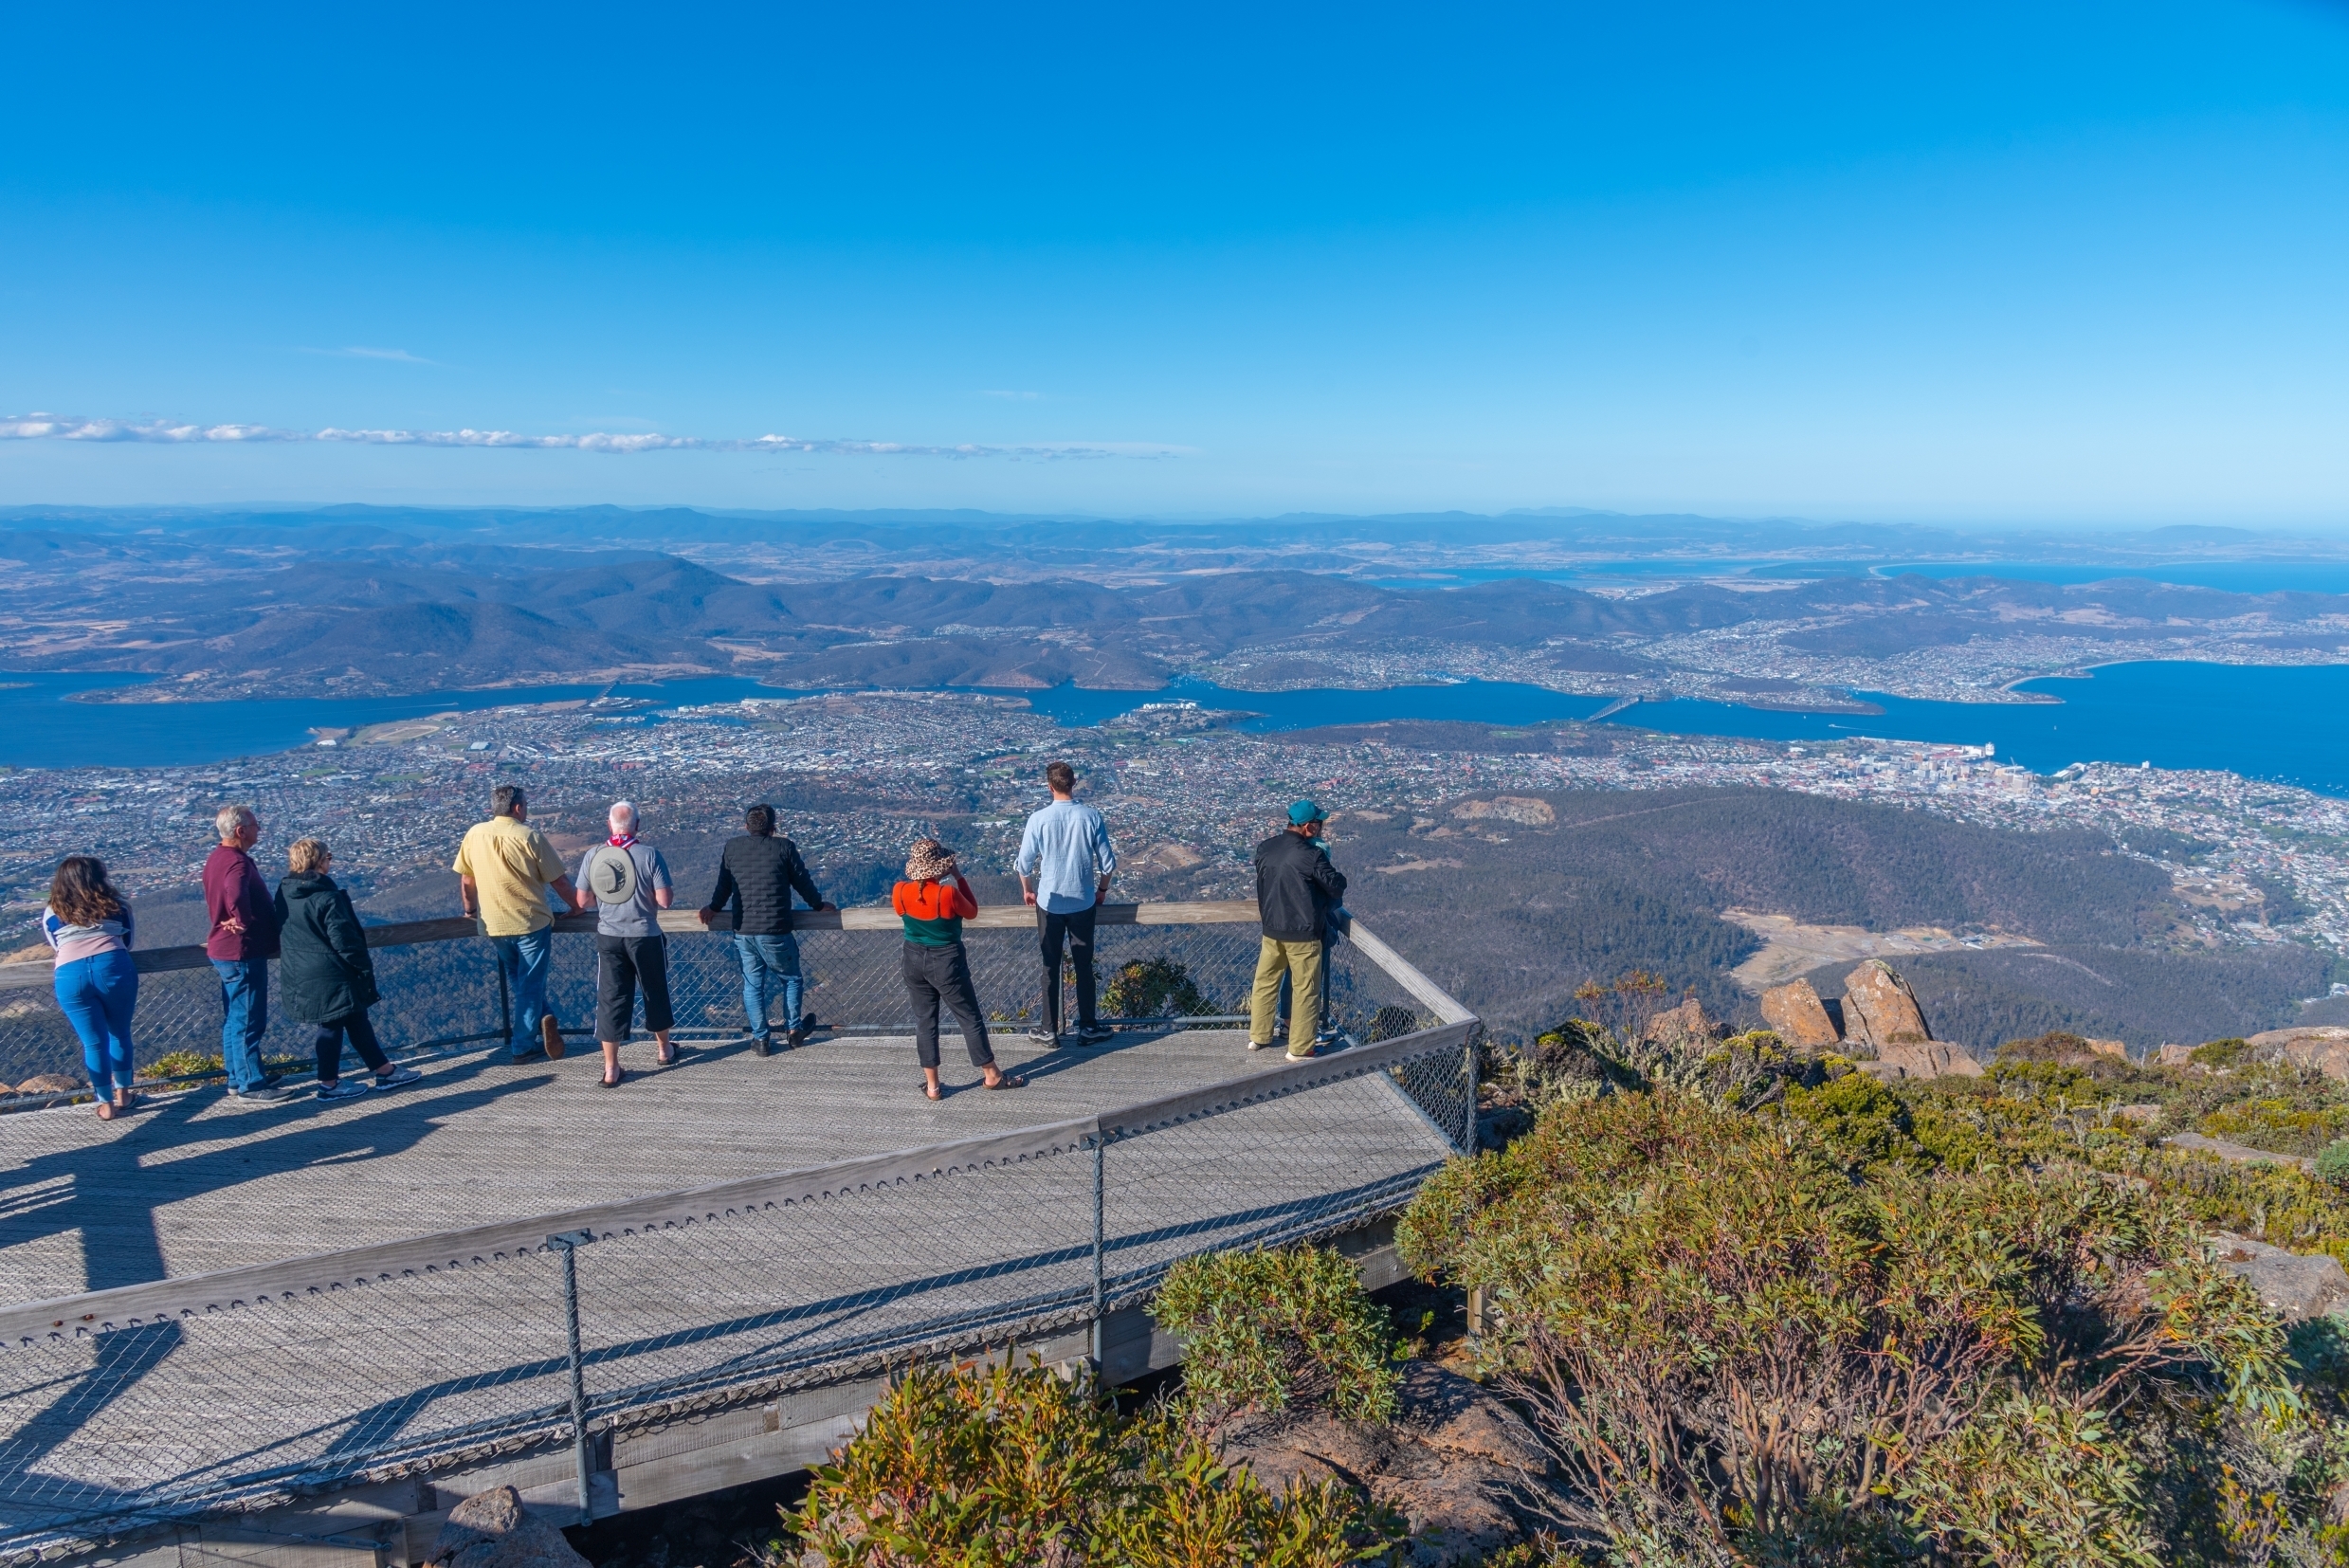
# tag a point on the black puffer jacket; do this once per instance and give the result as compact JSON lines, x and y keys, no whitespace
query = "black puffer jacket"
{"x":324,"y":970}
{"x":755,"y":876}
{"x":1295,"y":887}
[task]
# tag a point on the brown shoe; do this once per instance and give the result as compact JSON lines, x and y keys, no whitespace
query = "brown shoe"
{"x":550,"y":1036}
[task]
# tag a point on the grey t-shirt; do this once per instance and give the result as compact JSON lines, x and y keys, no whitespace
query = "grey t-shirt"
{"x":621,"y":882}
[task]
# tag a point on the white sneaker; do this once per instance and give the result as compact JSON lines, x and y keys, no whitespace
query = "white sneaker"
{"x":349,"y":1088}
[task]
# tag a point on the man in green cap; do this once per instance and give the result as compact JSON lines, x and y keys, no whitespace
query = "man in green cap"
{"x":1295,"y":887}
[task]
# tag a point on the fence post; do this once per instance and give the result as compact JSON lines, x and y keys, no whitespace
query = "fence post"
{"x":1468,"y":1114}
{"x":571,"y":1241}
{"x":1100,"y":1239}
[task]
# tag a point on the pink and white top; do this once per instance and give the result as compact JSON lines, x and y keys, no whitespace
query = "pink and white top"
{"x":85,"y":942}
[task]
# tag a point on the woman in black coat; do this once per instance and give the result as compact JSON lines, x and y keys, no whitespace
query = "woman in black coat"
{"x":325,"y":974}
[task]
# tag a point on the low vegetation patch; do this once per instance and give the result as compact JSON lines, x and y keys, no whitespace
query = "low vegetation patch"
{"x":1278,"y":1329}
{"x":1007,"y":1467}
{"x":1767,"y":1310}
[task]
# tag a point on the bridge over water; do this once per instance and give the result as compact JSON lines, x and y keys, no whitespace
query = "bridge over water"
{"x":295,"y":1334}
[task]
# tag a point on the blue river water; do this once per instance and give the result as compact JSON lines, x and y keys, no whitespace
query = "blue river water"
{"x":2284,"y":724}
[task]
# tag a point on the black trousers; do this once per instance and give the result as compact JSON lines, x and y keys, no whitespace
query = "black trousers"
{"x":1076,"y":931}
{"x":935,"y":975}
{"x":622,"y":964}
{"x":329,"y":1045}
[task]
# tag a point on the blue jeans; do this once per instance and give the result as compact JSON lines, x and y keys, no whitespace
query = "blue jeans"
{"x":243,"y":1020}
{"x":98,"y":993}
{"x":523,"y":961}
{"x":768,"y":963}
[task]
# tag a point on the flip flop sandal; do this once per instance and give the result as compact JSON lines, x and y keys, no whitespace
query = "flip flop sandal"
{"x":1009,"y":1080}
{"x":613,"y":1082}
{"x":931,"y":1091}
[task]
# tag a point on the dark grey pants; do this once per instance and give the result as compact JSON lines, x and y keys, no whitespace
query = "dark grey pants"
{"x":1076,"y":932}
{"x":622,"y":964}
{"x":935,"y":975}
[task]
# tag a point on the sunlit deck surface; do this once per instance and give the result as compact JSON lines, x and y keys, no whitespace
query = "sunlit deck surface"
{"x":200,"y":1182}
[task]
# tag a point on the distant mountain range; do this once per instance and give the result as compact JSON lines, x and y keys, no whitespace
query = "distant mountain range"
{"x":385,"y":601}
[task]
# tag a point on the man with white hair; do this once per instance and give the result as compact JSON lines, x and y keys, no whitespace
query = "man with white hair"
{"x":243,"y":940}
{"x":629,"y":884}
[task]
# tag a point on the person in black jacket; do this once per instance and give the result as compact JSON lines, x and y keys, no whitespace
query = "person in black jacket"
{"x":1296,"y":888}
{"x":325,"y":974}
{"x":757,"y":874}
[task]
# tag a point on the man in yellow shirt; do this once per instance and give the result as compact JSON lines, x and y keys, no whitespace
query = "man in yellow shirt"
{"x":505,"y":867}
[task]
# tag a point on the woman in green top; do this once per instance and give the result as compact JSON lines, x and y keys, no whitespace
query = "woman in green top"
{"x":933,"y":901}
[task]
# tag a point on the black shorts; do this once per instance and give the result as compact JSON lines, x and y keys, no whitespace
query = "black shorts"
{"x":622,"y":965}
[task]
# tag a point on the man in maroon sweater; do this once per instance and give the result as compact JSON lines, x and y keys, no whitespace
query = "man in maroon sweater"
{"x":244,"y":938}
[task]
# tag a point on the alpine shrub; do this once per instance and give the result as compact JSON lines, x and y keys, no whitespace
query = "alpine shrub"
{"x":1008,"y":1468}
{"x":1290,"y":1327}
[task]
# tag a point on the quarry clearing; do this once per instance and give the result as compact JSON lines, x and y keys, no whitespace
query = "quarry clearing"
{"x":1793,"y":948}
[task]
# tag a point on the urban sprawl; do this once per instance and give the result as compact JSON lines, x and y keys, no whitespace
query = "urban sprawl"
{"x":1188,"y":794}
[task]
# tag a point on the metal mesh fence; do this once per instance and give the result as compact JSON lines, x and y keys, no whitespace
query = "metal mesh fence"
{"x":254,"y":1402}
{"x":435,"y":993}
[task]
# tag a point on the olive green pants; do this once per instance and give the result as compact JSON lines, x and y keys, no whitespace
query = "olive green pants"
{"x":1302,"y":963}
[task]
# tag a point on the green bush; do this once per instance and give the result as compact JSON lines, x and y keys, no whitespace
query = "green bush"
{"x":1154,"y":988}
{"x":2333,"y":1164}
{"x":1790,"y":1337}
{"x":2220,"y":1053}
{"x":1005,"y":1468}
{"x":1290,"y":1327}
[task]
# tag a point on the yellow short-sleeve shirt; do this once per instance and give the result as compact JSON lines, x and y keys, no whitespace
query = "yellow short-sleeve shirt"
{"x":511,"y":864}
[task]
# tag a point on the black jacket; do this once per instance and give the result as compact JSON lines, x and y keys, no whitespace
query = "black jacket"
{"x":1295,"y":888}
{"x":325,"y":971}
{"x":755,"y":876}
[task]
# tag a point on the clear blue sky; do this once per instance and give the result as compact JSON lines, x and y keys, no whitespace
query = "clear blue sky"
{"x":2082,"y":263}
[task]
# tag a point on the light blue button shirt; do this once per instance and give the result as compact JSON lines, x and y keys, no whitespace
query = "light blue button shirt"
{"x":1065,"y":848}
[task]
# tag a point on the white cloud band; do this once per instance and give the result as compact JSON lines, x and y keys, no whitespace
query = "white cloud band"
{"x":47,"y":426}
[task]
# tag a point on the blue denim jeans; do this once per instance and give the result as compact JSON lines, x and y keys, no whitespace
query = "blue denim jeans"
{"x":768,"y":964}
{"x":98,"y":993}
{"x":523,"y":961}
{"x":243,"y":1020}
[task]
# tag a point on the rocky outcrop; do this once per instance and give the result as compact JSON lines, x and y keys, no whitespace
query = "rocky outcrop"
{"x":2240,"y":1153}
{"x":52,"y":1082}
{"x":2174,"y":1055}
{"x":2110,"y":1047}
{"x":1795,"y":1014}
{"x":2296,"y":1286}
{"x":2325,"y":1049}
{"x":1879,"y":1010}
{"x":1687,"y":1024}
{"x":1457,"y":1464}
{"x":492,"y":1530}
{"x":1922,"y":1059}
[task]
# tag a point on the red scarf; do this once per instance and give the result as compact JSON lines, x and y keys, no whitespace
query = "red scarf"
{"x":621,"y":841}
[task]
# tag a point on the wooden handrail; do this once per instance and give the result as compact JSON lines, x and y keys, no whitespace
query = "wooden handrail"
{"x":1009,"y":917}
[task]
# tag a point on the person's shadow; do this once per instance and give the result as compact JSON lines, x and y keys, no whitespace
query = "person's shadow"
{"x":103,"y":1191}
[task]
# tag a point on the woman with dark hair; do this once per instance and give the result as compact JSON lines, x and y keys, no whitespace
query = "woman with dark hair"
{"x":325,"y":973}
{"x":935,"y":967}
{"x":88,"y":924}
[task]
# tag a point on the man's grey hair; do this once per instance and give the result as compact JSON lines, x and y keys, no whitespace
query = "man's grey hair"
{"x":505,"y":799}
{"x":623,"y":817}
{"x":229,"y":819}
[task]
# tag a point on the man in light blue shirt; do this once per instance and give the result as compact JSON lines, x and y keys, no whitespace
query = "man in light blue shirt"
{"x":1065,"y":866}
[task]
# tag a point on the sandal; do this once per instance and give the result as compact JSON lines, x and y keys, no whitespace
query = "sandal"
{"x":932,"y":1091}
{"x":615,"y":1082}
{"x":107,"y":1111}
{"x":670,"y":1060}
{"x":1009,"y":1080}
